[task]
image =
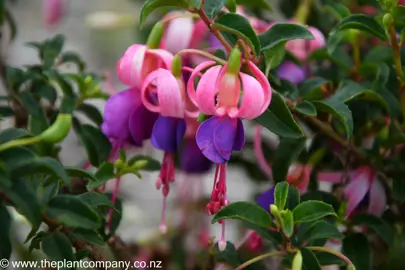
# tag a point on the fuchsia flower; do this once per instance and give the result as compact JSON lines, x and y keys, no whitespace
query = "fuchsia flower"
{"x":291,"y":72}
{"x":363,"y":183}
{"x":52,"y":12}
{"x":219,"y":94}
{"x":299,"y":176}
{"x":138,"y":61}
{"x":401,"y":2}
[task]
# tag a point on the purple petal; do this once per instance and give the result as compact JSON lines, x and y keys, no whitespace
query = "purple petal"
{"x":164,"y":134}
{"x":192,"y":159}
{"x":266,"y":198}
{"x":141,"y":124}
{"x":180,"y":131}
{"x":240,"y":137}
{"x":205,"y":140}
{"x":291,"y":72}
{"x":117,"y":112}
{"x":224,"y":137}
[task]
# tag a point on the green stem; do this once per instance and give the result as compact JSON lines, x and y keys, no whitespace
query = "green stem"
{"x":206,"y":54}
{"x":259,"y":258}
{"x":303,"y":11}
{"x":337,"y":254}
{"x":19,"y":142}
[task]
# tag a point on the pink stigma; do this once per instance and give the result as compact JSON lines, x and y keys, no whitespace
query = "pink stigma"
{"x":165,"y":177}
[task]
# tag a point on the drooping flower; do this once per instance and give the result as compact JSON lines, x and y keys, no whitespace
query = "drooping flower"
{"x":52,"y":12}
{"x":218,"y":94}
{"x":139,"y":61}
{"x":126,"y":120}
{"x":299,"y":176}
{"x":170,"y":127}
{"x":363,"y":183}
{"x":291,"y":72}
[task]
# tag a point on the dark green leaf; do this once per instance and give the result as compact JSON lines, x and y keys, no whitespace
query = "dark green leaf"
{"x":398,"y":12}
{"x":36,"y":241}
{"x":340,"y":11}
{"x":46,"y":91}
{"x":89,"y":236}
{"x":249,"y":212}
{"x":67,"y":105}
{"x":280,"y":195}
{"x":380,"y":227}
{"x":47,"y":190}
{"x":229,"y":255}
{"x":287,"y":222}
{"x":293,"y":198}
{"x":95,"y":199}
{"x":312,"y":210}
{"x":398,"y":188}
{"x":51,"y":50}
{"x":5,"y":225}
{"x":339,"y":110}
{"x":6,"y":111}
{"x":82,"y":254}
{"x":255,"y":3}
{"x":104,"y":173}
{"x":29,"y":103}
{"x":325,"y":197}
{"x":196,"y":3}
{"x":310,"y":262}
{"x":238,"y":27}
{"x":91,"y":112}
{"x":11,"y":23}
{"x":42,"y":165}
{"x":14,"y":157}
{"x":11,"y":134}
{"x":274,"y":56}
{"x":153,"y":164}
{"x":282,"y":32}
{"x":97,"y":145}
{"x":274,"y":237}
{"x":72,"y":211}
{"x":212,"y":7}
{"x":325,"y":259}
{"x":363,"y":23}
{"x":306,"y":107}
{"x":286,"y":153}
{"x":357,"y":248}
{"x":73,"y":57}
{"x":57,"y":247}
{"x":150,"y":5}
{"x":278,"y":119}
{"x":319,"y":230}
{"x":230,"y":5}
{"x":79,"y":173}
{"x":378,"y":54}
{"x":64,"y":85}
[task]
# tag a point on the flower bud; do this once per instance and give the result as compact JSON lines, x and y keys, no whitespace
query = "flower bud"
{"x":274,"y":210}
{"x":387,"y":20}
{"x":351,"y":267}
{"x":176,"y":66}
{"x":297,"y":261}
{"x":58,"y":130}
{"x":155,"y":36}
{"x":139,"y":164}
{"x":119,"y":164}
{"x":234,"y":62}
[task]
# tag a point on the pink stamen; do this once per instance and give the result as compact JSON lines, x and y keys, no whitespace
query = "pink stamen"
{"x":189,"y":69}
{"x":258,"y":150}
{"x":113,"y":199}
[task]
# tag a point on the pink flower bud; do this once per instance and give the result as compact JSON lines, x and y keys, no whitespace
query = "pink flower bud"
{"x":52,"y":12}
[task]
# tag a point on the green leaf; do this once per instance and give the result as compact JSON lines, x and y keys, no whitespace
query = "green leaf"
{"x":57,"y":247}
{"x":95,"y":199}
{"x":398,"y":12}
{"x":63,"y":84}
{"x":36,"y":241}
{"x":150,"y":5}
{"x":79,"y":173}
{"x":255,"y":3}
{"x":153,"y":164}
{"x":89,"y":236}
{"x":249,"y":212}
{"x":104,"y":173}
{"x":293,"y":198}
{"x":10,"y":134}
{"x":274,"y":237}
{"x":378,"y":225}
{"x":47,"y":190}
{"x":338,"y":10}
{"x":230,"y":5}
{"x":319,"y":230}
{"x":6,"y":111}
{"x":28,"y":101}
{"x":287,"y":222}
{"x":25,"y":201}
{"x":280,"y":194}
{"x":11,"y":23}
{"x":91,"y":112}
{"x":196,"y":3}
{"x":73,"y":57}
{"x":306,"y":107}
{"x":82,"y":254}
{"x":239,"y":27}
{"x":42,"y":165}
{"x":72,"y":211}
{"x":274,"y":56}
{"x":363,"y":23}
{"x":212,"y":7}
{"x":46,"y":91}
{"x":282,"y":32}
{"x":97,"y":145}
{"x":51,"y":50}
{"x":14,"y":157}
{"x":339,"y":110}
{"x":312,"y":210}
{"x":5,"y":225}
{"x":115,"y":221}
{"x":286,"y":153}
{"x":278,"y":119}
{"x":326,"y":259}
{"x":228,"y":256}
{"x":357,"y":248}
{"x":310,"y":262}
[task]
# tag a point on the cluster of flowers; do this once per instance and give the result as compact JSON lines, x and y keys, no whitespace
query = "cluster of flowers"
{"x":171,"y":81}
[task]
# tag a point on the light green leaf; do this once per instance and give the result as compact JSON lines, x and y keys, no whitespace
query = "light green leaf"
{"x":248,"y":212}
{"x":312,"y":210}
{"x":280,"y":194}
{"x":153,"y":164}
{"x":287,"y":222}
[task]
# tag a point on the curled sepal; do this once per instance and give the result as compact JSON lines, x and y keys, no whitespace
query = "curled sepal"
{"x":58,"y":130}
{"x":155,"y":36}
